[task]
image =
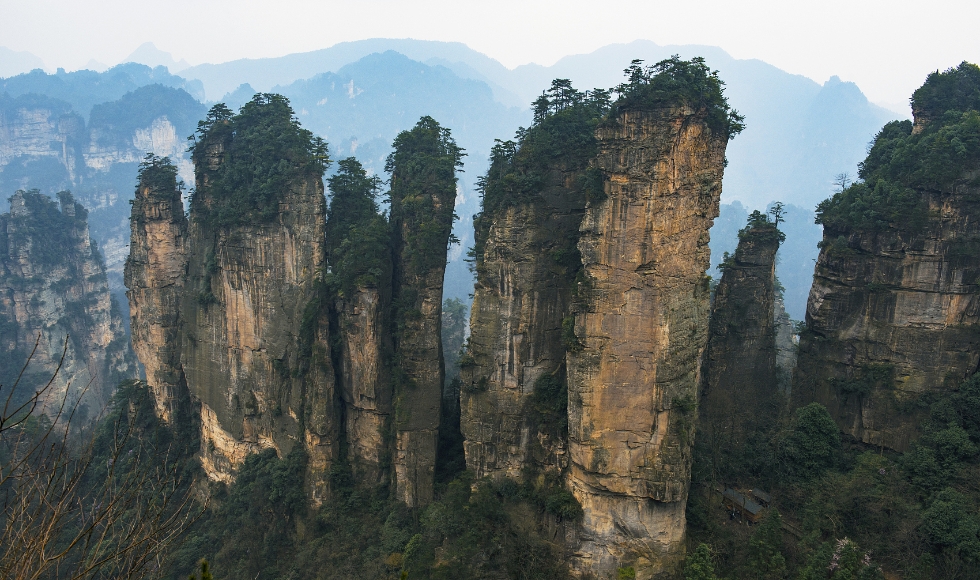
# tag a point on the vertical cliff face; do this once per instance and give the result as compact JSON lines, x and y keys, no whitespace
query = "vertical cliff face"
{"x":248,"y":290}
{"x":155,"y":273}
{"x":521,"y":298}
{"x":514,"y":392}
{"x":423,"y":196}
{"x":233,"y":304}
{"x":894,"y":311}
{"x":633,"y":381}
{"x":739,"y":376}
{"x":52,"y":287}
{"x":365,"y":381}
{"x":359,"y":255}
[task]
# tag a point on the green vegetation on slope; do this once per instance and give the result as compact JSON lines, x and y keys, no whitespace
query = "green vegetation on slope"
{"x":115,"y":121}
{"x":357,"y":235}
{"x":848,"y":508}
{"x":902,"y":164}
{"x":423,"y":169}
{"x":262,"y":526}
{"x":260,"y":153}
{"x":674,"y":82}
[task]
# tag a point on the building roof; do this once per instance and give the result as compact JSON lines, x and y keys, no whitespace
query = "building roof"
{"x":743,"y":502}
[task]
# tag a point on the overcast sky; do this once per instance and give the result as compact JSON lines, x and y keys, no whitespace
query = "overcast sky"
{"x":886,"y":47}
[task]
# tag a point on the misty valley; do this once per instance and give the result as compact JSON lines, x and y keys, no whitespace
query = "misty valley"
{"x":380,"y":319}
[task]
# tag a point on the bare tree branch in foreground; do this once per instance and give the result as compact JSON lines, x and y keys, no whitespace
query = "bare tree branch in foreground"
{"x":109,"y":505}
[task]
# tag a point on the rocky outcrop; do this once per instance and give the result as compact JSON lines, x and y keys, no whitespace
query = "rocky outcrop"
{"x":39,"y":127}
{"x":632,"y":383}
{"x":739,"y":380}
{"x":155,"y":274}
{"x":232,"y":303}
{"x":54,"y":293}
{"x":423,"y":197}
{"x":523,"y":294}
{"x":894,"y":312}
{"x":247,"y":291}
{"x":893,"y":315}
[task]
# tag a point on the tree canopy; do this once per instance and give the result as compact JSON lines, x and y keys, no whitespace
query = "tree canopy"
{"x":261,"y":152}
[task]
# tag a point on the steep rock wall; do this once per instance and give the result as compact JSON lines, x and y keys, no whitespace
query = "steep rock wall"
{"x":155,"y":273}
{"x":247,"y":292}
{"x":523,"y":294}
{"x":423,"y":198}
{"x":53,"y":287}
{"x":739,"y":376}
{"x":633,"y":381}
{"x":891,"y":316}
{"x":365,"y":381}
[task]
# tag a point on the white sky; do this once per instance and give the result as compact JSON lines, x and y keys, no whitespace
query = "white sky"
{"x":886,"y":47}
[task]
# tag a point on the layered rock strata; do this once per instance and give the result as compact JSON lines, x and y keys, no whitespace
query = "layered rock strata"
{"x":739,"y":375}
{"x":893,"y":315}
{"x":632,"y":384}
{"x":54,"y":293}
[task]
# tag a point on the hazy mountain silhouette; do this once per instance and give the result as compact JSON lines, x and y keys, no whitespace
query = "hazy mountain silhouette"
{"x":13,"y":62}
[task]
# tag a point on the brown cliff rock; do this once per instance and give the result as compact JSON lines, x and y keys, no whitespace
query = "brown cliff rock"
{"x":891,"y":316}
{"x":894,"y":310}
{"x":739,"y":375}
{"x":522,"y":296}
{"x":155,"y":273}
{"x":365,"y":343}
{"x":247,"y":291}
{"x":633,"y":383}
{"x":53,"y":287}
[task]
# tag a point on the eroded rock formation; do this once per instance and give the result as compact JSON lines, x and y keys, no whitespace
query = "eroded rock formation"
{"x":155,"y":274}
{"x":423,"y":196}
{"x":53,"y":287}
{"x":894,"y":311}
{"x":633,"y":382}
{"x":739,"y":374}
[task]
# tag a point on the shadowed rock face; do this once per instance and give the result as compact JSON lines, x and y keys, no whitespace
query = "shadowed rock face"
{"x":365,"y":344}
{"x":633,"y":383}
{"x":423,"y":197}
{"x":521,"y":298}
{"x":739,"y":378}
{"x":54,"y":293}
{"x":891,"y":316}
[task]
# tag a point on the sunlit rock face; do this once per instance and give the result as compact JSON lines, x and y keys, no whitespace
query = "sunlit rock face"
{"x":632,"y":385}
{"x":54,"y":294}
{"x":247,"y":290}
{"x":231,"y":317}
{"x":155,"y":274}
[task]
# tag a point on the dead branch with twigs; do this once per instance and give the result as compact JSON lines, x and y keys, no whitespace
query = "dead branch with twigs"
{"x":109,"y":505}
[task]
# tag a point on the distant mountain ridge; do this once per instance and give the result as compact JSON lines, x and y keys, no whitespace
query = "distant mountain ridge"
{"x":358,"y":95}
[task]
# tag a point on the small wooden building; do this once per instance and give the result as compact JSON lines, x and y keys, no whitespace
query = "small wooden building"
{"x":761,"y":497}
{"x":742,"y":505}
